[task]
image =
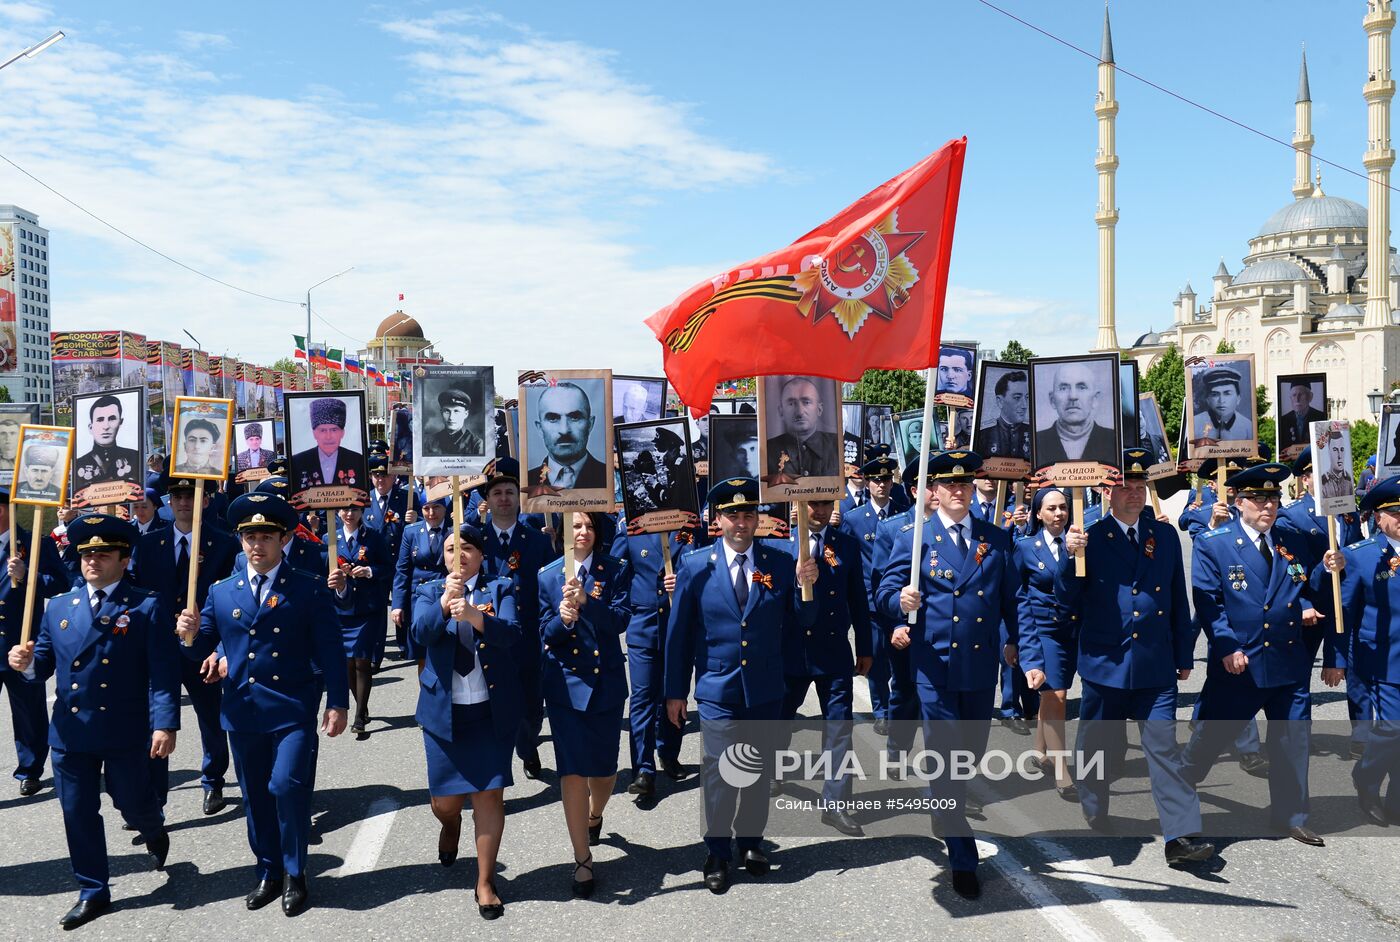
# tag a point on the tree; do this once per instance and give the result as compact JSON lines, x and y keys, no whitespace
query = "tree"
{"x":1167,"y":381}
{"x":1363,"y":445}
{"x":901,"y":389}
{"x":1014,"y":352}
{"x":5,"y":394}
{"x":1268,"y":434}
{"x":1224,"y":346}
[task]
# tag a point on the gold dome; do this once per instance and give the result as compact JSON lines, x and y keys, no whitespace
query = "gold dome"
{"x":399,"y":324}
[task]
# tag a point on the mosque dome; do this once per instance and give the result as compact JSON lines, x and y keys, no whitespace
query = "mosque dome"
{"x":1315,"y":212}
{"x":399,"y":324}
{"x":1268,"y":270}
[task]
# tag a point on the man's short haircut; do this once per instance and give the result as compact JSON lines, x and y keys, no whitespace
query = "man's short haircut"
{"x":962,"y":352}
{"x":1003,"y":384}
{"x":102,"y":402}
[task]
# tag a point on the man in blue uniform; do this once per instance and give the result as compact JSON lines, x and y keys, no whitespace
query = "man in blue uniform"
{"x":1019,"y":705}
{"x":162,"y":566}
{"x":1136,"y":641}
{"x":117,"y":703}
{"x":966,"y":622}
{"x":27,"y":707}
{"x":821,"y":654}
{"x":1370,"y":646}
{"x":885,"y":493}
{"x":651,"y":733}
{"x":388,"y":502}
{"x":275,"y":625}
{"x":518,"y":552}
{"x":1252,"y":598}
{"x":863,"y":522}
{"x":734,"y":603}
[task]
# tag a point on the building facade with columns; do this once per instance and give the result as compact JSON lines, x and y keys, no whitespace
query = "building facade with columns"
{"x":1306,"y":298}
{"x":398,"y":342}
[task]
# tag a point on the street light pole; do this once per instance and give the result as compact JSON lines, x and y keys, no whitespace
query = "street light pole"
{"x":309,"y":371}
{"x":33,"y":50}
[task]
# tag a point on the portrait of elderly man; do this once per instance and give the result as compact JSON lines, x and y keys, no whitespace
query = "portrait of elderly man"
{"x":1074,"y":395}
{"x":9,"y":439}
{"x":106,"y":460}
{"x":200,"y":449}
{"x":456,"y":437}
{"x":1293,"y":424}
{"x":811,"y":451}
{"x":954,"y":371}
{"x":327,"y":463}
{"x":1219,"y":391}
{"x":1009,"y":435}
{"x":255,"y":455}
{"x":633,"y":402}
{"x":40,"y":478}
{"x":564,"y":417}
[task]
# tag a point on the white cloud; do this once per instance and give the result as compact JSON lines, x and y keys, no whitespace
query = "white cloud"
{"x":25,"y":13}
{"x":191,"y":41}
{"x":1048,"y":327}
{"x":485,"y":202}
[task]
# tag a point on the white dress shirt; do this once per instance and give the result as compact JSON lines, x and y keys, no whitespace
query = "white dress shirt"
{"x":470,"y":688}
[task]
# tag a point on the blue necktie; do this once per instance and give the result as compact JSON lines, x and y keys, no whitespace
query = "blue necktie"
{"x":741,"y":583}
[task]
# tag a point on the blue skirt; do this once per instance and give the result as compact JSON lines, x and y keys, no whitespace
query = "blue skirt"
{"x":586,"y":742}
{"x":1060,"y":646}
{"x":364,"y":639}
{"x":474,"y":760}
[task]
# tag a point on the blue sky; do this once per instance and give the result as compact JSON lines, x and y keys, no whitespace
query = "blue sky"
{"x":538,"y":178}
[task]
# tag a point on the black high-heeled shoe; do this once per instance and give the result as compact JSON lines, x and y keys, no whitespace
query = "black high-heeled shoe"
{"x":583,"y":889}
{"x":449,"y":839}
{"x":595,"y":831}
{"x":489,"y":910}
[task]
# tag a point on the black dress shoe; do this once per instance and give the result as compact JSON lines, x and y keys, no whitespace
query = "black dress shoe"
{"x":489,"y":910}
{"x":882,"y":727}
{"x":86,"y":911}
{"x":1017,"y":725}
{"x":972,"y":808}
{"x":449,"y":837}
{"x":756,"y":862}
{"x":842,"y":822}
{"x":533,"y":768}
{"x":294,"y":895}
{"x":29,"y":786}
{"x":1068,"y":792}
{"x":265,"y":892}
{"x":1306,"y":836}
{"x":1371,"y":809}
{"x":1099,"y":822}
{"x":675,"y":769}
{"x":158,"y":846}
{"x":775,"y":788}
{"x":1183,"y":849}
{"x":644,"y":784}
{"x":716,"y":874}
{"x":1358,"y":749}
{"x":966,"y":884}
{"x":1255,"y":764}
{"x":595,"y":831}
{"x":583,"y":889}
{"x":214,"y":801}
{"x":359,"y":725}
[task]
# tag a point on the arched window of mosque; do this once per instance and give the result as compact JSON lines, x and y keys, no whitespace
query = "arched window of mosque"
{"x":1325,"y":357}
{"x":1278,"y":347}
{"x":1238,"y":332}
{"x":1200,"y":346}
{"x":1152,"y":362}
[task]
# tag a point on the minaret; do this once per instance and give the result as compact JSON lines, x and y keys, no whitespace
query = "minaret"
{"x":1378,"y":90}
{"x":1302,"y":134}
{"x":1106,"y":163}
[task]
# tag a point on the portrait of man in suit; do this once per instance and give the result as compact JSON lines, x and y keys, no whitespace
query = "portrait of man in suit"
{"x":564,"y":418}
{"x":253,"y":455}
{"x":1076,"y":393}
{"x":327,"y":463}
{"x":1300,"y":397}
{"x":807,"y":443}
{"x":955,"y":370}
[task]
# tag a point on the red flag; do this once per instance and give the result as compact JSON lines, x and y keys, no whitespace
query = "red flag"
{"x":864,"y":290}
{"x":400,"y":296}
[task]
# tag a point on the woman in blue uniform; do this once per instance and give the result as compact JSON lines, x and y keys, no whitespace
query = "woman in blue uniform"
{"x":585,"y":682}
{"x":1049,"y":625}
{"x":468,"y":703}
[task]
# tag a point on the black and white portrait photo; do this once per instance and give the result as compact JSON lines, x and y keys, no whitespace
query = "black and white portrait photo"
{"x":1128,"y":403}
{"x":1333,"y":483}
{"x":203,"y":438}
{"x":852,"y":437}
{"x":1300,"y":399}
{"x":908,"y":432}
{"x":327,"y":441}
{"x":638,"y":398}
{"x":255,"y":444}
{"x":1002,"y":436}
{"x":109,"y":463}
{"x":800,"y":421}
{"x":451,"y":405}
{"x":41,"y":468}
{"x":734,"y":447}
{"x":1220,"y":392}
{"x":1388,"y":442}
{"x":1075,"y":410}
{"x":401,"y":440}
{"x":658,"y":480}
{"x":1151,"y":433}
{"x":566,"y":434}
{"x":878,"y":425}
{"x":500,"y":428}
{"x":957,"y":368}
{"x":12,"y":416}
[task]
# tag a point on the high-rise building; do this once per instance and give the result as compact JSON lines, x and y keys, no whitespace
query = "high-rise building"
{"x":21,"y":234}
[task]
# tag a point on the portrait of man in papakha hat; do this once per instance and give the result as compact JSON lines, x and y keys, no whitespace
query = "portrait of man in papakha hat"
{"x":254,"y":455}
{"x":327,"y":463}
{"x":40,"y":477}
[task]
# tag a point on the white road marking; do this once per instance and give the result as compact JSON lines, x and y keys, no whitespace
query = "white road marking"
{"x":369,"y":838}
{"x":1046,"y":903}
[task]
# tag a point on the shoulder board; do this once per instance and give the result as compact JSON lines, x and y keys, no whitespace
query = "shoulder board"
{"x":696,"y":551}
{"x":907,"y":527}
{"x":1362,"y":543}
{"x":556,"y":564}
{"x":1218,"y":531}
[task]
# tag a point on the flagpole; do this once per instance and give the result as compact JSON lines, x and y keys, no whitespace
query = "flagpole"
{"x":922,"y":485}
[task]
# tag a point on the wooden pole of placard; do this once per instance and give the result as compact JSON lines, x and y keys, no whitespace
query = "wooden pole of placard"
{"x":457,"y":516}
{"x":332,"y":538}
{"x":196,"y":525}
{"x":804,"y":552}
{"x":1156,"y":501}
{"x":666,"y":559}
{"x":1336,"y":576}
{"x":33,"y":576}
{"x":1000,"y":504}
{"x":1079,"y":569}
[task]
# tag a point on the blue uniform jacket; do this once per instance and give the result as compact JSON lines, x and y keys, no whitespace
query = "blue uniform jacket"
{"x":642,"y":553}
{"x":417,"y":563}
{"x":274,"y":650}
{"x":365,"y":599}
{"x":154,"y":568}
{"x":438,"y":637}
{"x":968,"y":610}
{"x":521,"y":562}
{"x":385,"y":515}
{"x":53,"y":579}
{"x":737,"y":656}
{"x":1135,"y":619}
{"x":1195,"y":518}
{"x":842,"y":601}
{"x":1371,"y":600}
{"x":899,"y":500}
{"x":1244,"y":608}
{"x":583,"y":662}
{"x":1040,"y":611}
{"x":863,"y":523}
{"x":116,"y":671}
{"x":301,"y":554}
{"x":1302,"y":514}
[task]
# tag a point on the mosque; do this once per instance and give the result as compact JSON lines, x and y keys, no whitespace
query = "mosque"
{"x":1306,"y":299}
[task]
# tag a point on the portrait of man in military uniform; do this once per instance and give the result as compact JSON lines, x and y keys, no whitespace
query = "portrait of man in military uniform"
{"x":108,"y":446}
{"x":1004,"y":408}
{"x":459,"y":415}
{"x":656,"y":469}
{"x":1332,"y":464}
{"x":333,"y":427}
{"x":203,"y":437}
{"x":1222,"y":402}
{"x":802,"y":421}
{"x":12,"y":416}
{"x":734,"y":447}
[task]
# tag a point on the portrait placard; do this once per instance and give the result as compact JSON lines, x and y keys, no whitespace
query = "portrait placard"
{"x":957,"y":367}
{"x":1388,"y":442}
{"x":1220,"y":393}
{"x":1300,"y":399}
{"x":109,"y":447}
{"x":401,"y":448}
{"x":879,"y":429}
{"x":908,"y":434}
{"x":1077,"y":418}
{"x":450,"y":408}
{"x":799,"y":434}
{"x":742,"y":405}
{"x":41,"y":466}
{"x":852,"y":437}
{"x":203,"y":437}
{"x":1002,"y":436}
{"x":12,"y":416}
{"x":500,"y":422}
{"x":1333,"y":480}
{"x":734,"y":447}
{"x":1154,"y":438}
{"x":638,"y":398}
{"x":1128,"y":399}
{"x":566,"y":432}
{"x":658,"y":480}
{"x":327,"y":440}
{"x":254,"y":445}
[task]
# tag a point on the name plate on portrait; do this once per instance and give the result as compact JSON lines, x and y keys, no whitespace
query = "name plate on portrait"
{"x":108,"y":492}
{"x":1004,"y":469}
{"x":329,"y":497}
{"x":661,"y":521}
{"x":1079,"y":473}
{"x":251,"y":475}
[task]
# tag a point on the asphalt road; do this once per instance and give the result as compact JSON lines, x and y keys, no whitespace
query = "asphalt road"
{"x":375,"y":872}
